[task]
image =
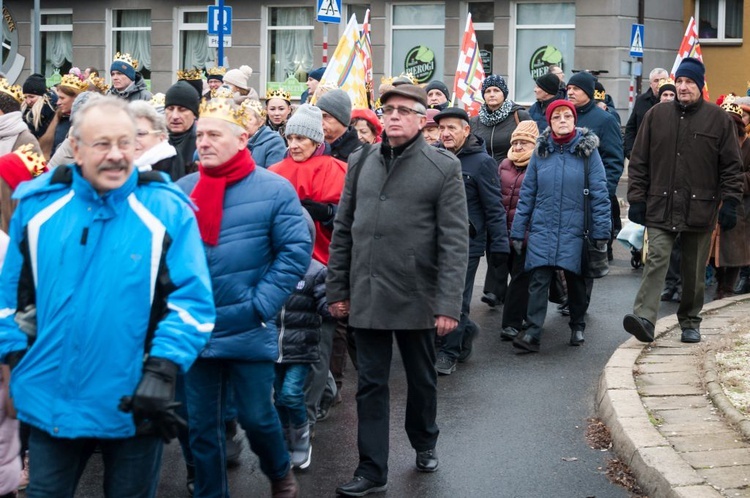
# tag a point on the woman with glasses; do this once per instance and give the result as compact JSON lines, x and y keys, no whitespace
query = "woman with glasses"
{"x":152,"y":149}
{"x":550,"y":217}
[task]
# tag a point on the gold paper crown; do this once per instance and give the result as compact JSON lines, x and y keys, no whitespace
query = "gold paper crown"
{"x":189,"y":74}
{"x":99,"y":83}
{"x":729,"y":106}
{"x":255,"y":106}
{"x":216,"y":71}
{"x":666,"y":81}
{"x":409,"y":77}
{"x":378,"y":104}
{"x":386,"y":81}
{"x":279,"y":93}
{"x":14,"y":91}
{"x":158,"y":100}
{"x":222,"y":106}
{"x":74,"y":82}
{"x":600,"y":95}
{"x":34,"y":162}
{"x":127,"y":59}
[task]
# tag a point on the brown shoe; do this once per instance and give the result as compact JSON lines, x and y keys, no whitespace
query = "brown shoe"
{"x":286,"y":487}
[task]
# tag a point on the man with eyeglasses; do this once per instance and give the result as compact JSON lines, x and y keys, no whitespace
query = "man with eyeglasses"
{"x":643,"y":103}
{"x":397,"y":267}
{"x":105,"y":296}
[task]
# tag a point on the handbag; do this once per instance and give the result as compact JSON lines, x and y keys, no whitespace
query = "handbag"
{"x":594,"y":263}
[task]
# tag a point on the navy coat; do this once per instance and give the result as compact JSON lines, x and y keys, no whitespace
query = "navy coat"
{"x":607,"y":128}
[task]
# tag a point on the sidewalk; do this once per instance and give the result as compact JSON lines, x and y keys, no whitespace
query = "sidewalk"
{"x":669,"y":419}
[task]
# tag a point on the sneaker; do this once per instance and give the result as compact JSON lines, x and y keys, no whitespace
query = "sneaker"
{"x":445,"y":365}
{"x":508,"y":334}
{"x":490,"y":299}
{"x":467,"y":341}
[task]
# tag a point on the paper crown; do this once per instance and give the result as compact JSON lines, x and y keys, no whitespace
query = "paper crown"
{"x":127,"y":59}
{"x":386,"y":80}
{"x":255,"y":106}
{"x":74,"y":82}
{"x":189,"y":74}
{"x":408,"y":76}
{"x":600,"y":95}
{"x":222,"y":106}
{"x":99,"y":83}
{"x":279,"y":93}
{"x":14,"y":91}
{"x":33,"y":161}
{"x":158,"y":99}
{"x":216,"y":71}
{"x":665,"y":81}
{"x":729,"y":106}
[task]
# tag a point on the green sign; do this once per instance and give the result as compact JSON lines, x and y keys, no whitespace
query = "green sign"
{"x":542,"y":59}
{"x":420,"y":62}
{"x":54,"y":79}
{"x":292,"y":85}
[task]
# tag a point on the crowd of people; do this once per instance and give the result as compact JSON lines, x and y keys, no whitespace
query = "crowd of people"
{"x":182,"y":263}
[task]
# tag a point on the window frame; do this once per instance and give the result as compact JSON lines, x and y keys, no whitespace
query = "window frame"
{"x":391,"y":27}
{"x":177,"y":29}
{"x":51,"y":28}
{"x":721,"y":27}
{"x":266,"y":28}
{"x":109,"y":41}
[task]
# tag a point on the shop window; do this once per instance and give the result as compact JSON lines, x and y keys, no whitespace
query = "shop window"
{"x":56,"y":30}
{"x":359,"y":10}
{"x":545,"y":36}
{"x":193,"y":49}
{"x":131,"y":33}
{"x":290,"y":48}
{"x":483,"y":18}
{"x":418,"y":41}
{"x":719,"y":20}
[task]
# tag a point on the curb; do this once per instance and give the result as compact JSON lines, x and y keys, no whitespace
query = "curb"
{"x":660,"y":469}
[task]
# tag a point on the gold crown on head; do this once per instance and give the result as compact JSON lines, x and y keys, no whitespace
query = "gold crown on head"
{"x":410,"y":77}
{"x":729,"y":106}
{"x":255,"y":106}
{"x":600,"y":94}
{"x":99,"y":83}
{"x":222,"y":106}
{"x":279,"y":93}
{"x":158,"y":100}
{"x":216,"y":71}
{"x":34,"y":162}
{"x":666,"y":81}
{"x":189,"y":74}
{"x":14,"y":91}
{"x":386,"y":81}
{"x":74,"y":82}
{"x":127,"y":59}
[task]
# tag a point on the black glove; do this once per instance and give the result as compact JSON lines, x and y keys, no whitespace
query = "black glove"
{"x":319,"y":211}
{"x":517,"y":246}
{"x":152,"y":404}
{"x":728,"y":215}
{"x":637,"y":213}
{"x":26,"y":320}
{"x":498,"y":259}
{"x":601,"y":244}
{"x":14,"y":358}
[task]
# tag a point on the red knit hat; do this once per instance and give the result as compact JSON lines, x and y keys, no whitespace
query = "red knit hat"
{"x":21,"y":165}
{"x":370,"y":117}
{"x":561,"y":103}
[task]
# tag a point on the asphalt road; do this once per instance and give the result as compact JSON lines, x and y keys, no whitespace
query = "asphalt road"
{"x":511,"y":425}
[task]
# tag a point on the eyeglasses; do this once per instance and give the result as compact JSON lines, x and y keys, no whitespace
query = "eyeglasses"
{"x":402,"y":111}
{"x":103,"y":147}
{"x":521,"y":143}
{"x":144,"y":133}
{"x":558,"y":117}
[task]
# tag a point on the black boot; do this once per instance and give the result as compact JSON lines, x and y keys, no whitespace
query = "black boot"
{"x":576,"y":337}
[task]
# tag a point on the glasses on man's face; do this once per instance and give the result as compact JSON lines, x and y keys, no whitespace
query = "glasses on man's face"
{"x":104,"y":147}
{"x":561,"y":117}
{"x":402,"y":111}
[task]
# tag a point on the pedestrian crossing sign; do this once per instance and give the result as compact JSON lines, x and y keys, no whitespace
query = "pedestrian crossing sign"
{"x":329,"y":11}
{"x":636,"y":41}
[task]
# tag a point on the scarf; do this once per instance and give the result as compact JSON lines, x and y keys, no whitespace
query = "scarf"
{"x":492,"y":118}
{"x":208,"y":193}
{"x":520,"y":159}
{"x":184,"y":143}
{"x":160,"y":151}
{"x":11,"y":125}
{"x":563,"y":139}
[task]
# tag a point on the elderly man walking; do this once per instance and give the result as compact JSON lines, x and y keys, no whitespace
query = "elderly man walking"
{"x":397,"y":267}
{"x":685,"y":166}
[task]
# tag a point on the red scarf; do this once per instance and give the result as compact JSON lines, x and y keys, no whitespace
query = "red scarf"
{"x":563,"y":139}
{"x":208,"y":193}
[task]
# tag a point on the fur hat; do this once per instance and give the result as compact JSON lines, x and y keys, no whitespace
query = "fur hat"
{"x":338,"y":104}
{"x":692,"y":68}
{"x":526,"y":130}
{"x":35,"y":85}
{"x":585,"y":81}
{"x":549,"y":82}
{"x":438,"y":85}
{"x":184,"y":95}
{"x":307,"y":121}
{"x":495,"y":80}
{"x":239,"y":77}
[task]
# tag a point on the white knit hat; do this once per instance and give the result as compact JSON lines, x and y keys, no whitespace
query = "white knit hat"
{"x":239,"y":77}
{"x":307,"y":121}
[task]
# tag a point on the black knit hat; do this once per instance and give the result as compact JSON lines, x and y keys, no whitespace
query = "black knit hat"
{"x":585,"y":81}
{"x":549,"y":82}
{"x":35,"y":85}
{"x":438,"y":85}
{"x":184,"y":95}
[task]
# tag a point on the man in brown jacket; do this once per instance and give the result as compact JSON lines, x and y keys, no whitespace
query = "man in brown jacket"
{"x":685,"y":164}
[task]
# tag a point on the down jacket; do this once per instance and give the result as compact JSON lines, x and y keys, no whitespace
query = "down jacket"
{"x":266,"y":146}
{"x":264,"y":250}
{"x":511,"y":180}
{"x":607,"y":128}
{"x":551,"y":203}
{"x":137,"y":90}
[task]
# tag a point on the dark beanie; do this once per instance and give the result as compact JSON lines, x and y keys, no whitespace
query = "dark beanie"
{"x":197,"y":84}
{"x":338,"y":104}
{"x":600,"y":94}
{"x":438,"y":85}
{"x":35,"y":85}
{"x":693,"y":69}
{"x":317,"y":74}
{"x":668,"y":86}
{"x":495,"y":80}
{"x":124,"y":68}
{"x":549,"y":82}
{"x":585,"y":81}
{"x":184,"y":95}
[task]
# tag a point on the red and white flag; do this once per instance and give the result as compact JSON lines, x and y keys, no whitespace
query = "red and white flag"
{"x":467,"y":86}
{"x":690,"y":47}
{"x":365,"y":45}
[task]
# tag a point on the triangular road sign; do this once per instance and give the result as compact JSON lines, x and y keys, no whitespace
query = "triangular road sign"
{"x":636,"y":41}
{"x":329,"y":11}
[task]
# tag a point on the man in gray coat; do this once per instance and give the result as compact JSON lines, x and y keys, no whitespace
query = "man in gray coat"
{"x":397,"y":266}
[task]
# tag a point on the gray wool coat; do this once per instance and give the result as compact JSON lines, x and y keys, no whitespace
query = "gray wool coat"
{"x":400,"y":249}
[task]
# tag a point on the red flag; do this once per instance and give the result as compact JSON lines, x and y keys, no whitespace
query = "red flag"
{"x":690,"y":47}
{"x":366,"y":47}
{"x":467,"y":86}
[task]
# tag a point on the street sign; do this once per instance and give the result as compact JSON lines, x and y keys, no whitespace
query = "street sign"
{"x":329,"y":11}
{"x":213,"y":20}
{"x":636,"y":41}
{"x":213,"y":41}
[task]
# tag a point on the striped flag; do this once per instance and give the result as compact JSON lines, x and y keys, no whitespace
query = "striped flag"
{"x":467,"y":86}
{"x":690,"y":47}
{"x":365,"y":46}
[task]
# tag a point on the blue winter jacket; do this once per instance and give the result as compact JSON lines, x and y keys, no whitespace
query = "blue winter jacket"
{"x":550,"y":207}
{"x":607,"y":128}
{"x":267,"y":147}
{"x":105,"y":273}
{"x":264,"y":250}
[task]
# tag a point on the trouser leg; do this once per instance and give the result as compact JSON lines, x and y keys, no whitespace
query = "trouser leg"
{"x":654,"y":271}
{"x":538,"y":292}
{"x":695,"y":247}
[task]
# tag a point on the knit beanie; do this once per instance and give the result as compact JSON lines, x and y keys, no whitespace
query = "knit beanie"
{"x":21,"y":165}
{"x":600,"y":94}
{"x":667,"y":87}
{"x":124,"y":68}
{"x":370,"y":117}
{"x":338,"y":104}
{"x":692,"y":68}
{"x":239,"y":77}
{"x":495,"y":80}
{"x":438,"y":85}
{"x":35,"y":85}
{"x":585,"y":81}
{"x":561,"y":103}
{"x":307,"y":121}
{"x":317,"y":74}
{"x":549,"y":82}
{"x":184,"y":95}
{"x":526,"y":130}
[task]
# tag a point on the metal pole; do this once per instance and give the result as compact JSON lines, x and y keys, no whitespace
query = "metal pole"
{"x":37,"y":41}
{"x":639,"y":78}
{"x":325,"y":44}
{"x":220,"y":54}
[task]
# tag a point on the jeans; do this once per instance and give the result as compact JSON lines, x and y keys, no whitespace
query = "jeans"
{"x":316,"y":379}
{"x":207,"y":387}
{"x":289,"y":391}
{"x":538,"y":295}
{"x":131,"y":465}
{"x":450,"y":344}
{"x":374,"y":353}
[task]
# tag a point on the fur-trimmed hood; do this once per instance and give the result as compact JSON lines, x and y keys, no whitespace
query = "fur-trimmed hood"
{"x":582,"y":145}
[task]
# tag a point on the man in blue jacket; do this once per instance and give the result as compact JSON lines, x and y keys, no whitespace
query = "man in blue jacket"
{"x":104,"y":297}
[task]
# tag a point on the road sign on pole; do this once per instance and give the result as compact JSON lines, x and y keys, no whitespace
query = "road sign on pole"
{"x":636,"y":41}
{"x":329,"y":11}
{"x":214,"y":22}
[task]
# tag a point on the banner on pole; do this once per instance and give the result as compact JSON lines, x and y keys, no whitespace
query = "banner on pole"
{"x":467,"y":86}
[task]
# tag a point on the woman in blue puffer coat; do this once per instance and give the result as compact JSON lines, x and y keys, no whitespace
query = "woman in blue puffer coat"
{"x":550,"y":210}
